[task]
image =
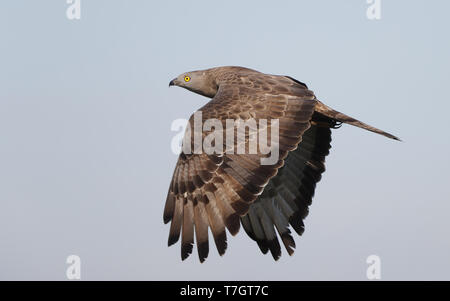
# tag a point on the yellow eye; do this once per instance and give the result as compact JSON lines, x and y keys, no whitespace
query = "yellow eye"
{"x":187,"y":78}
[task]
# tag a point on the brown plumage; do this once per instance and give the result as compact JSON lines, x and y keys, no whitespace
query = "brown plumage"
{"x":224,"y":190}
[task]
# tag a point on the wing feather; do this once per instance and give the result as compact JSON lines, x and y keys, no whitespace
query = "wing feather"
{"x":187,"y":236}
{"x":288,"y":195}
{"x":201,"y":229}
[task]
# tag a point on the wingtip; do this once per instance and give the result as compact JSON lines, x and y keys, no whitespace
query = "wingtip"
{"x":276,"y":257}
{"x":186,"y":250}
{"x":172,"y":239}
{"x":166,"y":219}
{"x":203,"y":250}
{"x":221,"y":242}
{"x":288,"y":242}
{"x":222,"y":251}
{"x":233,"y":224}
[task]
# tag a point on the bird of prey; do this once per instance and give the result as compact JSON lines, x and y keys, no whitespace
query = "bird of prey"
{"x":223,"y":190}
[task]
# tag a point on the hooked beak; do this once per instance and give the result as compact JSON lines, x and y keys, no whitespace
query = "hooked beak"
{"x":172,"y":82}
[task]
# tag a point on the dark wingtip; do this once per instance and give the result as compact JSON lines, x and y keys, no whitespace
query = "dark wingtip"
{"x":172,"y":239}
{"x":221,"y":243}
{"x":296,"y":222}
{"x":233,"y":224}
{"x":288,"y":242}
{"x":186,"y":250}
{"x":275,"y":249}
{"x":166,"y":218}
{"x":203,"y":250}
{"x":262,"y":246}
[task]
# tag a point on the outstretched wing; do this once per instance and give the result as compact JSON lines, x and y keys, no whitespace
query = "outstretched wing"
{"x":212,"y":191}
{"x":287,"y":196}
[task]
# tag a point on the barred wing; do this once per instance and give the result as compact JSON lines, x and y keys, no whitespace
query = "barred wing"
{"x":288,"y":195}
{"x":213,"y":191}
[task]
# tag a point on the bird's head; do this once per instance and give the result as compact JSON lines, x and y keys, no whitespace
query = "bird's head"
{"x":201,"y":82}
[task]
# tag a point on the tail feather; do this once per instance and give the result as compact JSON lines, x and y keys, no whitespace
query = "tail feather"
{"x":329,"y":112}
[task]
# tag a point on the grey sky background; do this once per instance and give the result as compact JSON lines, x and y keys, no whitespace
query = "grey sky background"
{"x":85,"y":115}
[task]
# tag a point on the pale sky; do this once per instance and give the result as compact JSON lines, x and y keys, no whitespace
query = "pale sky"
{"x":85,"y":137}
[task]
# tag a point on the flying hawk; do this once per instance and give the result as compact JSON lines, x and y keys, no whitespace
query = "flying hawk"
{"x":224,"y":190}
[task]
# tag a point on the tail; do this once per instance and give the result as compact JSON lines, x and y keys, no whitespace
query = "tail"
{"x":329,"y":112}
